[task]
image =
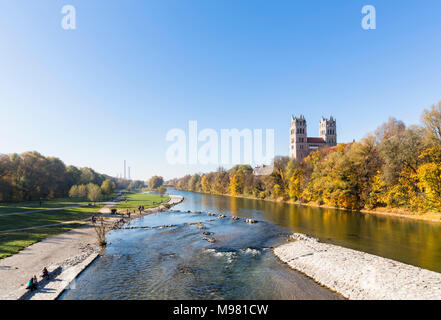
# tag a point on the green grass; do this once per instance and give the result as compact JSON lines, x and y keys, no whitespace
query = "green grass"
{"x":134,"y":200}
{"x":35,"y":205}
{"x":11,"y":243}
{"x":6,"y":207}
{"x":33,"y":219}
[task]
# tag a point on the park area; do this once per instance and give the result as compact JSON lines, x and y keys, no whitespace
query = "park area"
{"x":25,"y":223}
{"x":134,"y":200}
{"x":44,"y":205}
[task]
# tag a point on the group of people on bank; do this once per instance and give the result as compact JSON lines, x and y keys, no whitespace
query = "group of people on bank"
{"x":33,"y":282}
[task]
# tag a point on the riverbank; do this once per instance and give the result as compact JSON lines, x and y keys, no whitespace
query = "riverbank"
{"x":396,"y":212}
{"x":68,"y":253}
{"x":357,"y":275}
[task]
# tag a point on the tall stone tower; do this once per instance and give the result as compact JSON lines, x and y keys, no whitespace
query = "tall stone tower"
{"x":298,"y":138}
{"x":328,"y":131}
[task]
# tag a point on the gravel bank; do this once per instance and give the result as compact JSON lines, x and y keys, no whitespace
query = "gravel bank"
{"x":357,"y":275}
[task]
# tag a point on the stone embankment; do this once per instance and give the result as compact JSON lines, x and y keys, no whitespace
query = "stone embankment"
{"x":358,"y":275}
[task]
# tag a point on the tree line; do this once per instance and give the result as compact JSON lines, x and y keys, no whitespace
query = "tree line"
{"x":156,"y":183}
{"x":31,"y":176}
{"x":92,"y":191}
{"x":396,"y":167}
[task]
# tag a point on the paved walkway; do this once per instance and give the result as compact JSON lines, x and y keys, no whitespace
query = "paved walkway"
{"x":16,"y":270}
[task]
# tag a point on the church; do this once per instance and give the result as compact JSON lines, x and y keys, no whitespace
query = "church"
{"x":301,"y":145}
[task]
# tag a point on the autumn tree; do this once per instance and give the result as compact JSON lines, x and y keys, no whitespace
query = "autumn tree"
{"x":107,"y":187}
{"x":82,"y":191}
{"x":194,"y":184}
{"x":73,"y":192}
{"x":93,"y":192}
{"x":155,"y":182}
{"x":432,"y":123}
{"x":395,"y":166}
{"x":236,"y":184}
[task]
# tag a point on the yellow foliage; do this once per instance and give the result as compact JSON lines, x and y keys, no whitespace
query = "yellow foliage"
{"x":378,"y":194}
{"x":236,"y":184}
{"x":429,"y":175}
{"x":205,"y":184}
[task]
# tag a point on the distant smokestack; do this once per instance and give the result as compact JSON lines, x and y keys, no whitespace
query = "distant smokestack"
{"x":125,"y":170}
{"x":129,"y":173}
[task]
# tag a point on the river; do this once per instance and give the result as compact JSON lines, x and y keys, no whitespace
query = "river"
{"x":177,"y":263}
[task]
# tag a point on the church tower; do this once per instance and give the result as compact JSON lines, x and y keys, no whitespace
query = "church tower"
{"x":298,"y":138}
{"x":328,"y":131}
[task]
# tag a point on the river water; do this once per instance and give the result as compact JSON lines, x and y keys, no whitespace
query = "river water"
{"x":177,"y":263}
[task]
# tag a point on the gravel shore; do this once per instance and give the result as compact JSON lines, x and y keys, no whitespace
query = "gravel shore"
{"x":357,"y":275}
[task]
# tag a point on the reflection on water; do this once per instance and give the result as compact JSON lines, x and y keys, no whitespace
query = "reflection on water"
{"x":409,"y":241}
{"x":177,"y":263}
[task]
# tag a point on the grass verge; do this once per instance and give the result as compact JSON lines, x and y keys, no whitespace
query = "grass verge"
{"x":134,"y":200}
{"x":11,"y":243}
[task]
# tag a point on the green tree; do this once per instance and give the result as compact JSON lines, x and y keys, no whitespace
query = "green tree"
{"x":155,"y":182}
{"x":162,"y":190}
{"x":107,"y":187}
{"x":82,"y":191}
{"x":93,"y":192}
{"x":136,"y":185}
{"x":73,"y":192}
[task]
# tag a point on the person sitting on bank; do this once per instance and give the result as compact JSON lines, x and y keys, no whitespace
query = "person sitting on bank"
{"x":45,"y":274}
{"x":32,"y":284}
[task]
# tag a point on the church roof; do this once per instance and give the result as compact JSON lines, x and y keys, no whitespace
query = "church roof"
{"x":316,"y":140}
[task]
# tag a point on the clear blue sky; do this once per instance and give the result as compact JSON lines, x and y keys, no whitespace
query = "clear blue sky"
{"x":132,"y":70}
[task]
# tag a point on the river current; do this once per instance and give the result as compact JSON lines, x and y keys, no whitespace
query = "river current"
{"x":179,"y":262}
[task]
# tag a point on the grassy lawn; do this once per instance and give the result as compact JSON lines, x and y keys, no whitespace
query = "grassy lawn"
{"x":134,"y":200}
{"x":43,"y":218}
{"x":35,"y":205}
{"x":46,"y":204}
{"x":11,"y":243}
